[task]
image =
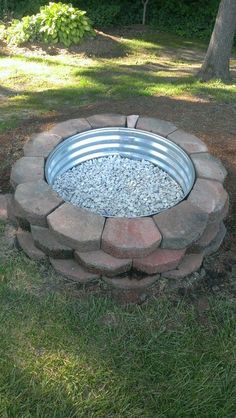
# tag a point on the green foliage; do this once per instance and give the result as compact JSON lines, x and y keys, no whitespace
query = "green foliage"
{"x":185,"y":18}
{"x":19,"y":8}
{"x":63,"y":23}
{"x":104,"y":14}
{"x":55,"y":23}
{"x":112,"y":13}
{"x":193,"y":18}
{"x":2,"y":31}
{"x":21,"y":31}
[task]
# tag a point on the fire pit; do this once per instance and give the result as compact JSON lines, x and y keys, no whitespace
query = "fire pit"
{"x":152,"y":175}
{"x":107,"y":223}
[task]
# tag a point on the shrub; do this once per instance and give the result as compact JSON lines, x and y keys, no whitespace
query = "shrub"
{"x":183,"y":17}
{"x":20,"y":31}
{"x":55,"y":23}
{"x":104,"y":14}
{"x":19,"y":8}
{"x":191,"y":18}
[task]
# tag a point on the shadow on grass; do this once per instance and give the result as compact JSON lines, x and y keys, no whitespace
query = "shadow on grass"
{"x":63,"y":357}
{"x":117,"y":82}
{"x":102,"y":45}
{"x":5,"y":91}
{"x":117,"y":44}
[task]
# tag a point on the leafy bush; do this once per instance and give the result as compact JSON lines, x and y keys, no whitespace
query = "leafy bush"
{"x":112,"y":12}
{"x":63,"y":23}
{"x":19,"y":8}
{"x":104,"y":14}
{"x":186,"y":18}
{"x":55,"y":23}
{"x":20,"y":31}
{"x":183,"y":17}
{"x":2,"y":31}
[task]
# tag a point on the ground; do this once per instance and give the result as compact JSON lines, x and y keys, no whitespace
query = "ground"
{"x":68,"y":356}
{"x":129,"y":71}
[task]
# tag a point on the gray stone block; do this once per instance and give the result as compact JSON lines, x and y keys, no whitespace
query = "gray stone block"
{"x":35,"y":200}
{"x":155,"y":125}
{"x":27,"y":169}
{"x":77,"y":228}
{"x":181,"y":225}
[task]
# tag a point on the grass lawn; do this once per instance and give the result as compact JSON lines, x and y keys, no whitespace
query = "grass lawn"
{"x":66,"y":356}
{"x":34,"y":82}
{"x":69,"y":353}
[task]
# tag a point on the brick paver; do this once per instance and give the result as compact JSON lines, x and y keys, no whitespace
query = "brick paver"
{"x":77,"y":228}
{"x":40,"y":145}
{"x":211,"y":197}
{"x":103,"y":263}
{"x":106,"y":120}
{"x":159,"y":261}
{"x":209,"y":167}
{"x":35,"y":200}
{"x":181,"y":225}
{"x":45,"y":241}
{"x":26,"y":242}
{"x":190,"y":264}
{"x":155,"y":125}
{"x":137,"y":237}
{"x":27,"y":169}
{"x":71,"y":270}
{"x":189,"y":143}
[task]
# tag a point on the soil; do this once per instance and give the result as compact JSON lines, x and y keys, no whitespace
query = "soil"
{"x":214,"y":123}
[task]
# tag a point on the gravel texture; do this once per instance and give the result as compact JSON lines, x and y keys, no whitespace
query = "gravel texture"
{"x":117,"y":186}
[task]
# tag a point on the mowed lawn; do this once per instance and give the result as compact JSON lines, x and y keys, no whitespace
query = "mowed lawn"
{"x":37,"y":81}
{"x":66,"y":355}
{"x":69,"y":353}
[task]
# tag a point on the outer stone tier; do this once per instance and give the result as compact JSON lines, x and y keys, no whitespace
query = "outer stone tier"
{"x":159,"y":261}
{"x":128,"y":255}
{"x":101,"y":262}
{"x":4,"y":199}
{"x":46,"y":242}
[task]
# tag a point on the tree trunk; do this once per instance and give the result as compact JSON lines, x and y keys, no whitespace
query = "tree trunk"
{"x":145,"y":3}
{"x":216,"y":63}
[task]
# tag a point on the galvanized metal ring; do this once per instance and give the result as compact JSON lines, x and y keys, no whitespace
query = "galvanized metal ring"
{"x":126,"y":142}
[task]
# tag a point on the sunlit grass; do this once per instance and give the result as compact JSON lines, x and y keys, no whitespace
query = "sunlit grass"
{"x":142,"y":46}
{"x":64,"y":357}
{"x":146,"y":67}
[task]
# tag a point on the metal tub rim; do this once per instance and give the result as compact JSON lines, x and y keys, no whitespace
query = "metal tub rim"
{"x":127,"y":142}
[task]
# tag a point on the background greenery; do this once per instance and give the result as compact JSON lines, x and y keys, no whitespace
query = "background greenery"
{"x":183,"y":17}
{"x":55,"y":23}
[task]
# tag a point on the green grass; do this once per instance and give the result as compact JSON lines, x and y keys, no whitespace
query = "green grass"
{"x":64,"y":353}
{"x":148,"y":65}
{"x":62,"y":356}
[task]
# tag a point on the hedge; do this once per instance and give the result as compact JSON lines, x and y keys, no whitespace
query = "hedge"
{"x":183,"y":17}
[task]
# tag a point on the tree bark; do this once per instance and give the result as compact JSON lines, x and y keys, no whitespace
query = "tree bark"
{"x":145,"y":3}
{"x":216,"y":63}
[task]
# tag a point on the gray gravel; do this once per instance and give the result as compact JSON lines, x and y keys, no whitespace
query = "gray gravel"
{"x":117,"y":186}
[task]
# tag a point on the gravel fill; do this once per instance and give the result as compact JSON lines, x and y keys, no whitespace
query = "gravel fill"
{"x":118,"y":186}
